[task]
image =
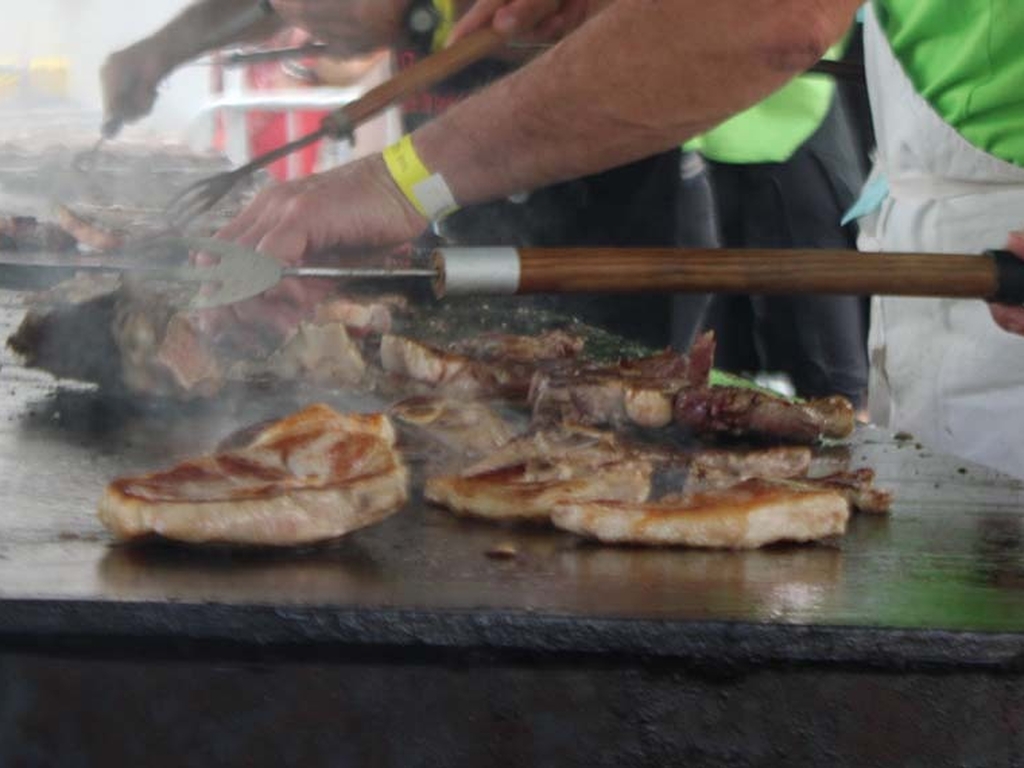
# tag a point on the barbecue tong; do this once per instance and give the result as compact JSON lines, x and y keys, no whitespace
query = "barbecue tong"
{"x":241,"y":273}
{"x":200,"y":197}
{"x":994,"y":276}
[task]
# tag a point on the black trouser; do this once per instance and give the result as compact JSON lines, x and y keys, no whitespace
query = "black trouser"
{"x":634,"y":205}
{"x":820,"y":341}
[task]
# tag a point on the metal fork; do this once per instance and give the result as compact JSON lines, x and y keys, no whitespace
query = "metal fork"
{"x":198,"y":198}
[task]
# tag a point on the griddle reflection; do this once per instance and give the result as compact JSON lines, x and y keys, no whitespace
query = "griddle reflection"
{"x":168,"y":572}
{"x":781,"y":583}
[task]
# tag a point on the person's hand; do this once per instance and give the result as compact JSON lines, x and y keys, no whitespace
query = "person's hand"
{"x":1011,"y":318}
{"x":354,"y":206}
{"x":525,"y":20}
{"x":129,"y":79}
{"x":350,"y":26}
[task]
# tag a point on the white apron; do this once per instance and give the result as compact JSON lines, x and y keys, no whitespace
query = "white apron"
{"x":941,"y":369}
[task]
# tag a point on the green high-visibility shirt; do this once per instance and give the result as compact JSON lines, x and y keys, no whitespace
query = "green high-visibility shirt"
{"x":965,"y":58}
{"x":772,"y":130}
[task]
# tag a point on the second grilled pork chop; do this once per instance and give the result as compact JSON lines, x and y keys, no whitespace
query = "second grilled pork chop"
{"x":313,"y":476}
{"x":526,"y":477}
{"x":744,"y":516}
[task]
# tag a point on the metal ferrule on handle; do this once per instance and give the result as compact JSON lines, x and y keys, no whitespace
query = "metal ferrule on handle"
{"x":476,"y":271}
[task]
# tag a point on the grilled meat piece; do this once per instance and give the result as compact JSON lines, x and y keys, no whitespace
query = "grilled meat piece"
{"x":640,"y":391}
{"x":422,"y":362}
{"x":581,"y":446}
{"x":313,"y":476}
{"x":458,"y":373}
{"x":858,"y":488}
{"x":752,"y":514}
{"x":530,"y":491}
{"x":721,"y":468}
{"x":322,"y":354}
{"x":88,"y":233}
{"x":361,"y":316}
{"x":746,"y":412}
{"x":26,"y":233}
{"x":524,"y":478}
{"x":68,"y":332}
{"x":448,"y":431}
{"x":162,"y":352}
{"x":551,"y":345}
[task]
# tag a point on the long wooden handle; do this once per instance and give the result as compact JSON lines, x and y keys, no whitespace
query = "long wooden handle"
{"x":419,"y":76}
{"x":994,"y":275}
{"x":610,"y":270}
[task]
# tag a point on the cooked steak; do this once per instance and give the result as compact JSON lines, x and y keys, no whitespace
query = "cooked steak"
{"x":422,"y":362}
{"x":580,"y":446}
{"x":69,"y":332}
{"x":746,"y":412}
{"x":529,"y":491}
{"x":858,"y":488}
{"x":490,"y":373}
{"x":444,"y":431}
{"x":323,"y":354}
{"x":88,"y":233}
{"x":744,"y":516}
{"x":524,"y":478}
{"x":313,"y":476}
{"x":551,"y":345}
{"x":716,"y":468}
{"x":361,"y":316}
{"x":639,"y":391}
{"x":26,"y":233}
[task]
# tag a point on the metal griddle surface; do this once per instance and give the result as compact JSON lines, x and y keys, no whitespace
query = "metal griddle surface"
{"x":940,"y":582}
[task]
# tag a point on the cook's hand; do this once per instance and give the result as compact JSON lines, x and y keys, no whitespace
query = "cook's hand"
{"x":354,"y":206}
{"x":1008,"y":317}
{"x":352,"y":26}
{"x":529,"y":20}
{"x":129,"y":79}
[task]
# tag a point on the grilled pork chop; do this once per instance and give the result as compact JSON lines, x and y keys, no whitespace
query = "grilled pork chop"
{"x":744,"y":516}
{"x":310,"y":477}
{"x":527,"y":476}
{"x":530,"y":491}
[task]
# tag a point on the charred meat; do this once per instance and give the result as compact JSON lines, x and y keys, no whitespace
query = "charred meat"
{"x":640,"y":391}
{"x":745,"y":412}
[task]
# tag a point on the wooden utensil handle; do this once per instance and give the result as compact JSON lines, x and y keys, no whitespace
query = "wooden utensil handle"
{"x":417,"y":77}
{"x":633,"y":270}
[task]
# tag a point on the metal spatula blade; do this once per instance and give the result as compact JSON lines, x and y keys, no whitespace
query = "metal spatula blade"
{"x":242,"y":273}
{"x":238,"y":273}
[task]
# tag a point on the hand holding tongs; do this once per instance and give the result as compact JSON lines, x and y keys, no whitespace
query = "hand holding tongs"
{"x":203,"y":195}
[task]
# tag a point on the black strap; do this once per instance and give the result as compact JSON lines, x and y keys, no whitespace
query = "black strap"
{"x":1010,"y":277}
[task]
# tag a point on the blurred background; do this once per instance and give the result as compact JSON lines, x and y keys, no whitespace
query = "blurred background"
{"x":51,"y":51}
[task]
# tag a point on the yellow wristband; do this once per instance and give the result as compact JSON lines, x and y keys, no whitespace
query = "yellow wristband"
{"x":427,"y":191}
{"x":446,"y":20}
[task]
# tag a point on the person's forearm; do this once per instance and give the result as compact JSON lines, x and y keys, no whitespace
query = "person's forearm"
{"x":638,"y":78}
{"x":207,"y":25}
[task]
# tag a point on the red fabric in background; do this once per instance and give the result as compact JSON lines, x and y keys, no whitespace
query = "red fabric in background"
{"x":269,"y":130}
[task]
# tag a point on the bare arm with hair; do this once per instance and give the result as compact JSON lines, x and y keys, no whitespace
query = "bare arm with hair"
{"x":639,"y":77}
{"x":131,"y":75}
